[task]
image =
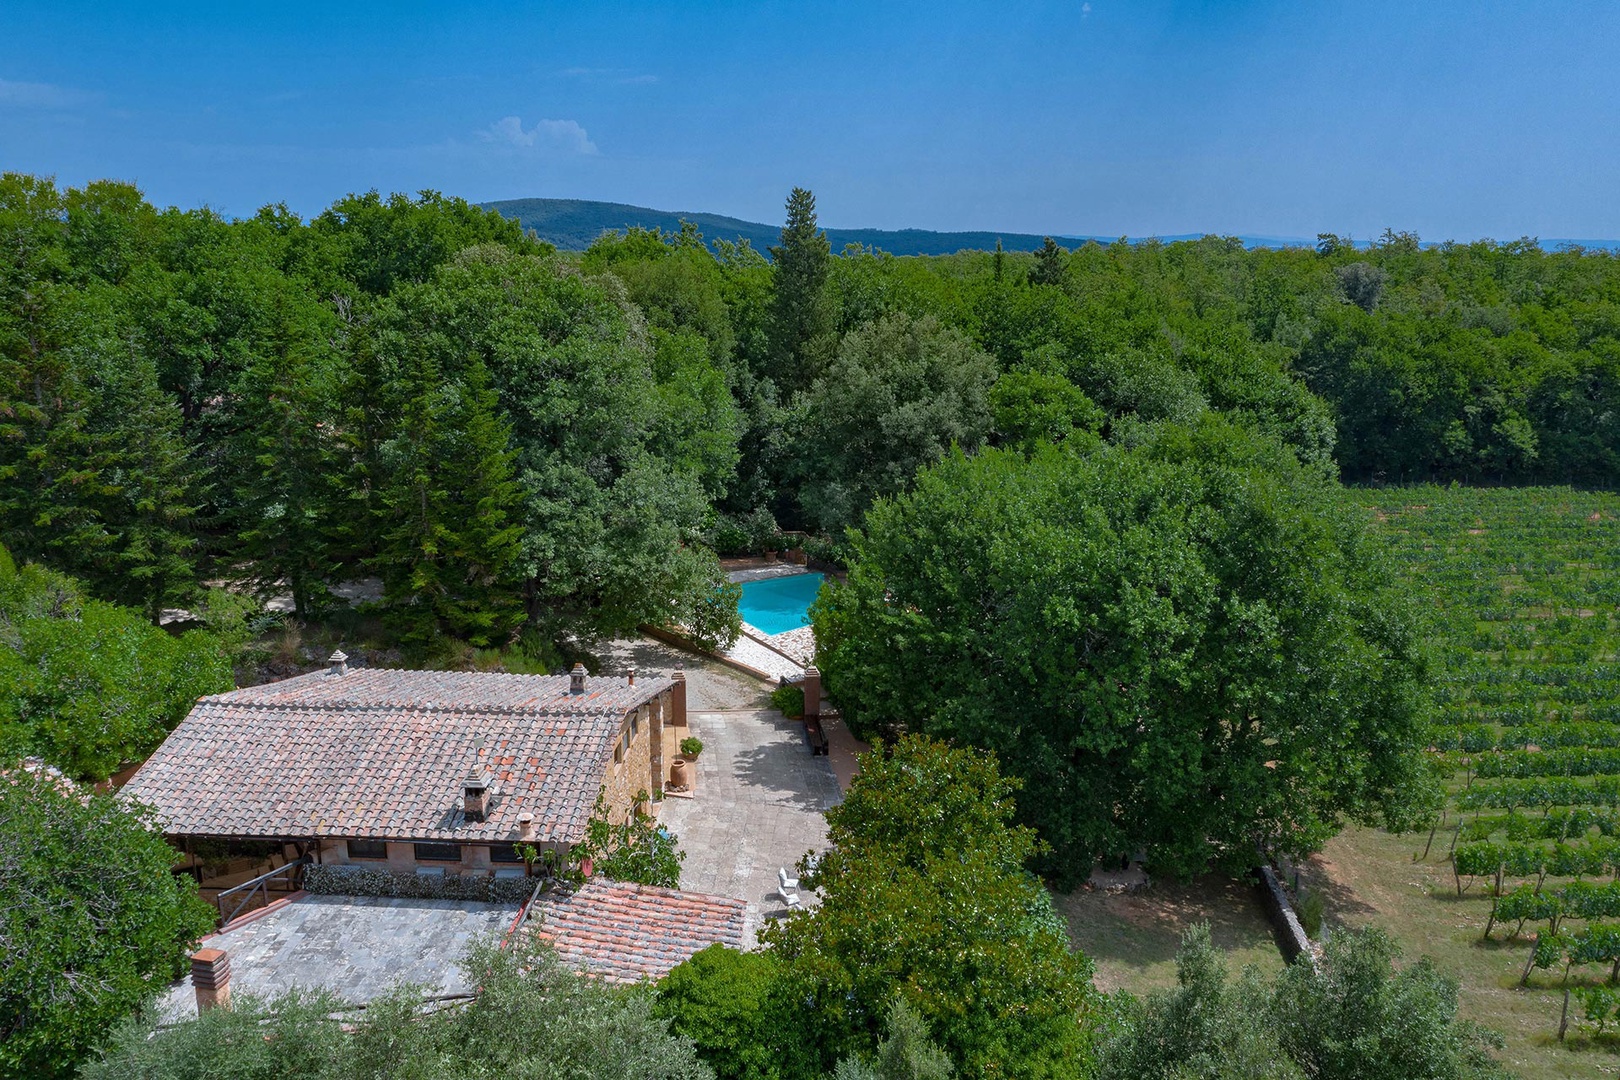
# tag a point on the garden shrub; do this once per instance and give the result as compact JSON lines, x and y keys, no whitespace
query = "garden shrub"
{"x":789,"y":700}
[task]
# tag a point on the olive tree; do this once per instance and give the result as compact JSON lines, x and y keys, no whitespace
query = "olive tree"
{"x":92,"y":921}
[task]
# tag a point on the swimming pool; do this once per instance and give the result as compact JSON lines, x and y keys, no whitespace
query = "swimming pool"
{"x":777,"y":605}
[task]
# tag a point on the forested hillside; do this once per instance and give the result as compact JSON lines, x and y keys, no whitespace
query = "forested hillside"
{"x":576,"y":224}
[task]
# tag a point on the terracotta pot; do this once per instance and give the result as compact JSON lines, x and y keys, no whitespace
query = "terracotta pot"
{"x":770,"y":556}
{"x":679,"y":777}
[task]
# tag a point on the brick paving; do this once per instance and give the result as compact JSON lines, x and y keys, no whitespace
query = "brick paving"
{"x":356,"y":947}
{"x":760,"y":797}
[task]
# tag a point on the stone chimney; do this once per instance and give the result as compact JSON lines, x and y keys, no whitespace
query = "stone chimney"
{"x":337,"y":663}
{"x":475,"y":794}
{"x":677,"y":699}
{"x":576,"y":679}
{"x":812,"y":693}
{"x":211,"y":979}
{"x":632,"y":676}
{"x":525,"y":825}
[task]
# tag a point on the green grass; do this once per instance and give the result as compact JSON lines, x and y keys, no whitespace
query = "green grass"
{"x":1367,"y":876}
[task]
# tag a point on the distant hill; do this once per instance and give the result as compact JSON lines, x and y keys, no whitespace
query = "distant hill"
{"x":571,"y":224}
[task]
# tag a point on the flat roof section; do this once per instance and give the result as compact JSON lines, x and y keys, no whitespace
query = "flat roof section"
{"x":357,"y":947}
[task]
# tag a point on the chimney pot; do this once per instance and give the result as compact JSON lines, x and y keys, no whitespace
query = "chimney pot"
{"x":632,"y":676}
{"x":338,"y":663}
{"x":211,"y":979}
{"x":576,"y":679}
{"x":525,"y":825}
{"x":475,"y":794}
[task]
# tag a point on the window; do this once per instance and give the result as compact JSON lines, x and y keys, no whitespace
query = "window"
{"x":504,"y":853}
{"x":438,"y":852}
{"x":368,"y":849}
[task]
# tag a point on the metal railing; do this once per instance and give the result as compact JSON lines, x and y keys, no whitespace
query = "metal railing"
{"x":288,"y":877}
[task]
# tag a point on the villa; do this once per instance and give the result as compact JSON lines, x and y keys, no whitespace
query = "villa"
{"x":412,"y":770}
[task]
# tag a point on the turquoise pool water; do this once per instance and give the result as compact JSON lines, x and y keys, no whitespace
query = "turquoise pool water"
{"x":777,"y":605}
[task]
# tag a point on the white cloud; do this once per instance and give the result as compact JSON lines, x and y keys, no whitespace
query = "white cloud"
{"x":563,"y":134}
{"x":1085,"y":9}
{"x":33,"y":95}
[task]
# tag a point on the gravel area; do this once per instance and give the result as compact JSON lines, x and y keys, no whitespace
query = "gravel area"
{"x":709,"y":683}
{"x":769,"y":570}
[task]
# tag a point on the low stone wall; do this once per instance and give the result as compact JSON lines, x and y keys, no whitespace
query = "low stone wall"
{"x":328,"y":880}
{"x":1295,"y":942}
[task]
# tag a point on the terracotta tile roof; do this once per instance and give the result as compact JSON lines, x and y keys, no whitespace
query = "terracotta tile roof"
{"x":381,"y":754}
{"x":624,"y":933}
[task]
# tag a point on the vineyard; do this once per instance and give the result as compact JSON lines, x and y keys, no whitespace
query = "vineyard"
{"x":1523,"y":586}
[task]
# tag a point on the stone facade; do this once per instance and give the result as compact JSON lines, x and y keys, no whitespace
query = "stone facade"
{"x":631,"y":770}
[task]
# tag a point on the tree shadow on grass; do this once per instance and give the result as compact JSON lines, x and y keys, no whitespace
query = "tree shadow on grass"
{"x":1131,"y":933}
{"x":1340,"y":900}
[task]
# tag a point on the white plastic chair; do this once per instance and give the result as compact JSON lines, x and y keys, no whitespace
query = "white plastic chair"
{"x":788,"y":883}
{"x":791,"y":899}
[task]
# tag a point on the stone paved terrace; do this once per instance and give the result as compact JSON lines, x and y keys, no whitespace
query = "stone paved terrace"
{"x":356,"y":947}
{"x":760,"y":797}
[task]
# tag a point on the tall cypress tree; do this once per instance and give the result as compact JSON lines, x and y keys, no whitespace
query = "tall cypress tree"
{"x":284,"y":466}
{"x":802,"y":337}
{"x":147,"y":489}
{"x":94,"y":475}
{"x":1049,"y":265}
{"x":448,"y":545}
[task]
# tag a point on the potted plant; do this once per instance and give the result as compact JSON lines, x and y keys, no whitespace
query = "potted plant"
{"x":691,"y":747}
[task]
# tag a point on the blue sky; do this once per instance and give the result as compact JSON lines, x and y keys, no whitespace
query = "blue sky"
{"x":1453,"y":120}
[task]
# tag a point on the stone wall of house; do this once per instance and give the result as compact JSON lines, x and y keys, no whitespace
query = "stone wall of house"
{"x":402,"y":857}
{"x":631,"y":767}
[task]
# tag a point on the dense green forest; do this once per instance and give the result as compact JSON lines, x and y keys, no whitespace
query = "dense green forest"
{"x":413,"y":389}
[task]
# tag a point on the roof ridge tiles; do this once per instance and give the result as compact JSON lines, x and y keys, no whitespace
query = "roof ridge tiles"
{"x":562,"y":708}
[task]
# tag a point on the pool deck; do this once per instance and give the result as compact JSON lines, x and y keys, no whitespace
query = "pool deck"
{"x":753,"y":650}
{"x":767,"y":570}
{"x":783,"y":655}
